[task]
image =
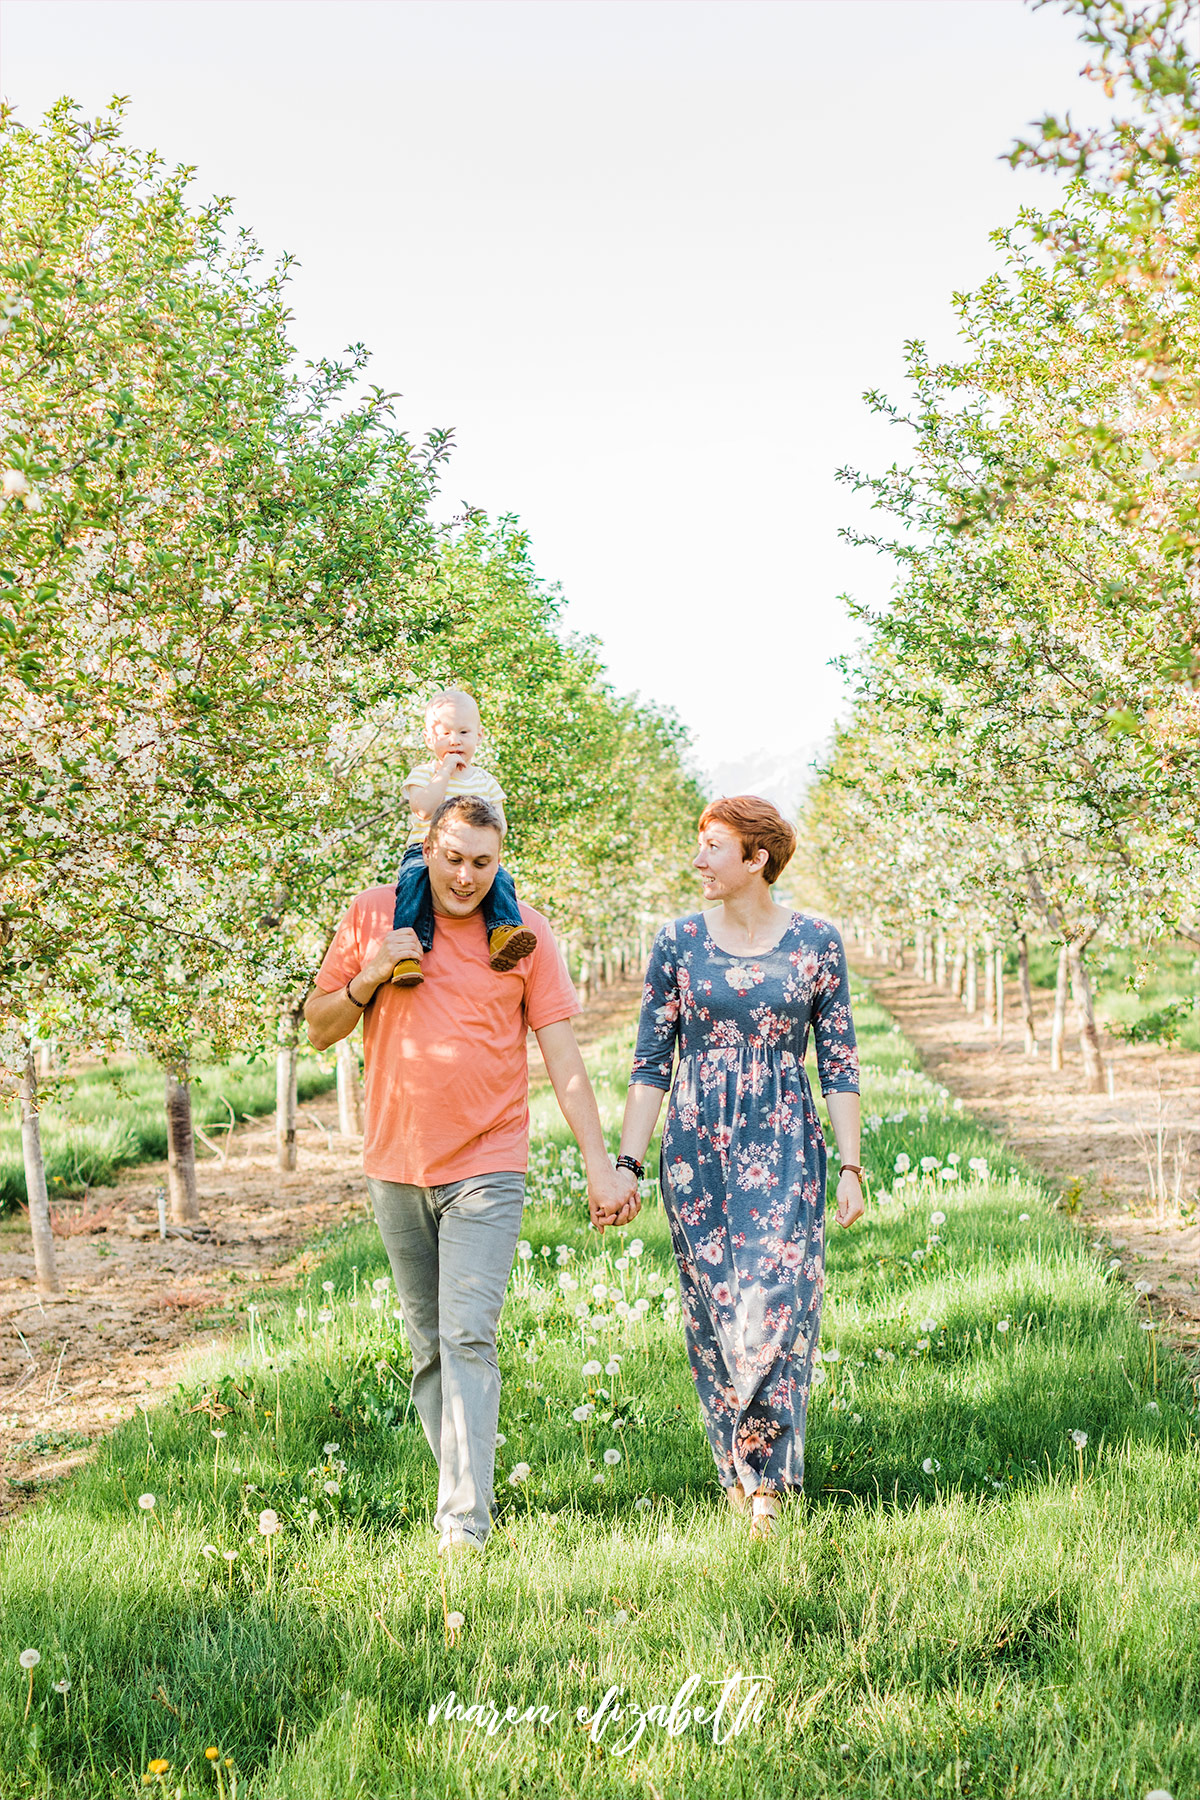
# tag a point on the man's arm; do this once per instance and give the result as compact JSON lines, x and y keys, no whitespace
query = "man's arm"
{"x":610,"y":1191}
{"x":331,"y":1017}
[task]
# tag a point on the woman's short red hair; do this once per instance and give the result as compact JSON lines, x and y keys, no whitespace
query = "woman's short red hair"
{"x":759,"y":825}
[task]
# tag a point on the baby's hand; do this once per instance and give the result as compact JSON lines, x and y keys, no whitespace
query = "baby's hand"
{"x":453,"y":762}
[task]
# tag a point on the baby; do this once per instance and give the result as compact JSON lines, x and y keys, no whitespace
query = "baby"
{"x":452,"y":730}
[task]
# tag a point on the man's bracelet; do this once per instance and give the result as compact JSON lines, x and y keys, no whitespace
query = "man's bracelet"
{"x":359,"y":1003}
{"x":625,"y":1161}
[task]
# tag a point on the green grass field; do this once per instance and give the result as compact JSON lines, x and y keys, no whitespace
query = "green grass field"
{"x":968,"y":1600}
{"x":107,"y":1118}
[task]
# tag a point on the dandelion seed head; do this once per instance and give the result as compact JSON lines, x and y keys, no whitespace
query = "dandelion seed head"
{"x":1002,"y":1324}
{"x":331,"y":1449}
{"x":147,"y":1502}
{"x":63,"y":1686}
{"x":612,"y":1458}
{"x":931,"y":1465}
{"x":520,"y":1472}
{"x":620,"y":1617}
{"x":29,"y":1659}
{"x":613,"y":1366}
{"x":332,"y":1488}
{"x":937,"y":1218}
{"x":643,"y":1503}
{"x":591,"y":1368}
{"x":327,"y":1287}
{"x":501,"y":1440}
{"x":636,"y":1247}
{"x":1023,"y":1219}
{"x":455,"y":1621}
{"x":268,"y":1522}
{"x":209,"y":1550}
{"x":229,"y":1555}
{"x":1079,"y":1439}
{"x":598,"y":1479}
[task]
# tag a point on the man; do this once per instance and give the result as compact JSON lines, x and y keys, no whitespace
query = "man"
{"x":446,"y":1142}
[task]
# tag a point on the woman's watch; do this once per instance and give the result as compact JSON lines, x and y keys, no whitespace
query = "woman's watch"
{"x":624,"y":1161}
{"x":852,"y":1169}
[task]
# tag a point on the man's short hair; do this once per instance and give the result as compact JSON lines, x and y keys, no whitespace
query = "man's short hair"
{"x":472,"y":809}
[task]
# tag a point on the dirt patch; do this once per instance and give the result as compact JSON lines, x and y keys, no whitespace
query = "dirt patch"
{"x":1091,"y":1145}
{"x":136,"y":1307}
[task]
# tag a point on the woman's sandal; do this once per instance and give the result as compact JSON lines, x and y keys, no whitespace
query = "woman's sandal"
{"x":764,"y":1512}
{"x":738,"y":1498}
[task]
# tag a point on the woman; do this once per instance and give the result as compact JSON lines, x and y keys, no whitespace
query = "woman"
{"x":735,"y":989}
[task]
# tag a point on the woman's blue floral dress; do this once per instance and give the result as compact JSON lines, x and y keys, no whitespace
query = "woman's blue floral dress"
{"x":743,"y":1172}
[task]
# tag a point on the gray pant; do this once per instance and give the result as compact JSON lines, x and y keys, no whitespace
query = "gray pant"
{"x":451,"y":1250}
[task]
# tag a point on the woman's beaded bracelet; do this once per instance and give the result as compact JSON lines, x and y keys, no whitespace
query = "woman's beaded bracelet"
{"x":625,"y":1161}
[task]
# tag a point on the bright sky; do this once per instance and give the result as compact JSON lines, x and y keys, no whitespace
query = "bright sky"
{"x":643,"y":256}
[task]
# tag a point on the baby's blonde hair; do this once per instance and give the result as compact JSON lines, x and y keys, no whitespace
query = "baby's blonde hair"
{"x":447,"y":695}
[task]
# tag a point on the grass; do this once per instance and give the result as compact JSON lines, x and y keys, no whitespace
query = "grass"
{"x":1168,"y":974}
{"x":108,"y":1118}
{"x":968,"y":1602}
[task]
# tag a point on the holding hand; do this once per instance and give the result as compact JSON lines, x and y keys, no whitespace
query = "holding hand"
{"x":612,"y":1196}
{"x":393,"y":947}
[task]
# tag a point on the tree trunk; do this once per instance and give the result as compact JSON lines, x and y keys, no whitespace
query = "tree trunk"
{"x":939,"y":959}
{"x":919,"y":942}
{"x":285,"y":1104}
{"x":999,"y":995}
{"x":349,"y":1092}
{"x":181,"y":1148}
{"x":958,"y":971}
{"x":1058,"y":1029}
{"x":1089,"y":1037}
{"x":1026,"y":994}
{"x":45,"y":1058}
{"x":971,"y":991}
{"x":45,"y":1263}
{"x":989,"y":981}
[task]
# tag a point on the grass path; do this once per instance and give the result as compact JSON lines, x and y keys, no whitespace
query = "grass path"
{"x":968,"y":1602}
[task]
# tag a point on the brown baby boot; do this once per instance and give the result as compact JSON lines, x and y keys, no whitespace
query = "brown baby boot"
{"x":407,"y":973}
{"x":508,"y":944}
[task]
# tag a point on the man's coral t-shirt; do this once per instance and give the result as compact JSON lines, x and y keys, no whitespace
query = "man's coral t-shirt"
{"x":447,"y":1087}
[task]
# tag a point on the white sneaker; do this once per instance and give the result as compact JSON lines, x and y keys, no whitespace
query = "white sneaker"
{"x":453,"y":1542}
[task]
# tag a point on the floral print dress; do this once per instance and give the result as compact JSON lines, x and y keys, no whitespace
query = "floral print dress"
{"x":743,"y":1172}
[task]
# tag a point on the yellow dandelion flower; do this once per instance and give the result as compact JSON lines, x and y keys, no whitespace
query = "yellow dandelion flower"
{"x":212,"y":1753}
{"x":158,"y":1765}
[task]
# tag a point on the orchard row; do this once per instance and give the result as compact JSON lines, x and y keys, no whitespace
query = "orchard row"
{"x":1024,"y":752}
{"x":224,"y":597}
